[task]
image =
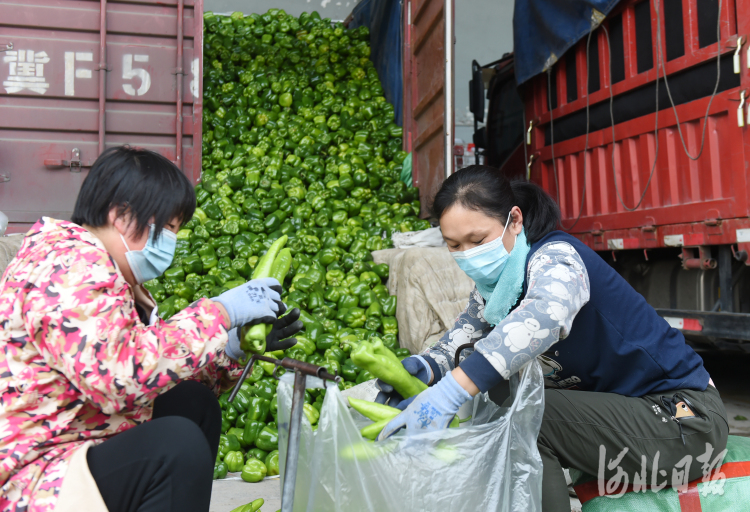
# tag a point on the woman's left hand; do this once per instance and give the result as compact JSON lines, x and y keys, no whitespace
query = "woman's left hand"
{"x":280,"y":336}
{"x":432,"y":409}
{"x":278,"y":339}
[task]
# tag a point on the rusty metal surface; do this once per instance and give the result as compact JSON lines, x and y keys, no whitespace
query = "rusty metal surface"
{"x":50,"y":95}
{"x":424,"y":93}
{"x":688,"y":202}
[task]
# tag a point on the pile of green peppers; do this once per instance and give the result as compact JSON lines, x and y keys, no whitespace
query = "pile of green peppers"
{"x":249,"y":442}
{"x":298,"y":140}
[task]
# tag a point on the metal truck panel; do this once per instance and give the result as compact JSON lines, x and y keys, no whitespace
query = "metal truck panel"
{"x":57,"y":113}
{"x":705,"y":200}
{"x":425,"y":93}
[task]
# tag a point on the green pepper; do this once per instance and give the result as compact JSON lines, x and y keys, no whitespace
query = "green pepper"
{"x":234,"y":461}
{"x":390,"y":325}
{"x":332,"y":294}
{"x":380,"y":291}
{"x":255,"y":374}
{"x":265,"y":389}
{"x":251,"y":430}
{"x":242,"y":401}
{"x":402,"y":353}
{"x":254,"y":506}
{"x":254,"y":471}
{"x":389,"y":305}
{"x":374,"y":310}
{"x":373,"y":356}
{"x":355,"y":317}
{"x":315,"y":300}
{"x":241,"y":266}
{"x":272,"y":463}
{"x":241,"y":419}
{"x":335,"y":277}
{"x":238,"y":433}
{"x":268,"y":438}
{"x":364,"y":376}
{"x":311,"y":413}
{"x":258,"y":409}
{"x":348,"y":301}
{"x":231,"y":413}
{"x":373,"y":323}
{"x":228,"y":443}
{"x":256,"y":453}
{"x":306,"y":345}
{"x":220,"y":470}
{"x":390,"y":341}
{"x":334,"y":353}
{"x":349,"y":370}
{"x":381,"y":270}
{"x":367,"y":298}
{"x":327,"y":256}
{"x":325,"y":341}
{"x":370,"y":278}
{"x":174,"y":274}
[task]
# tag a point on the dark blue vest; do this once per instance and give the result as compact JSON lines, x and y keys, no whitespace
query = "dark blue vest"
{"x":618,"y":344}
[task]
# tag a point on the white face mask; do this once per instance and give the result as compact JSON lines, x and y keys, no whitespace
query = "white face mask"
{"x":156,"y":257}
{"x":484,"y":263}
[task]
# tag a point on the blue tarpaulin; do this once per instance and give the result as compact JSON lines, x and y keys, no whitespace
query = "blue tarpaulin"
{"x":383,"y":18}
{"x":543,"y":30}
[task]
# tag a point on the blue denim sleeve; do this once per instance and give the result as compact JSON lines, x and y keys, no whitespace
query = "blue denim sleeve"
{"x":469,"y":327}
{"x":558,"y":289}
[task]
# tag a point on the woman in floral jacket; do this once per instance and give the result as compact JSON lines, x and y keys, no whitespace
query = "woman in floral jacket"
{"x":103,"y":405}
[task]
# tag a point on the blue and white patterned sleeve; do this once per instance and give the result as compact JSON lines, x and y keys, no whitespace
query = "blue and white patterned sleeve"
{"x":558,"y":289}
{"x":469,"y":327}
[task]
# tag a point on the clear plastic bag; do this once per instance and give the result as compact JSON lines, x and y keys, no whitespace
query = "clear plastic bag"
{"x":490,"y":463}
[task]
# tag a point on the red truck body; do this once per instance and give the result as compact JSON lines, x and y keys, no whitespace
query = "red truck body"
{"x":688,"y":202}
{"x":59,"y":110}
{"x":683,"y":246}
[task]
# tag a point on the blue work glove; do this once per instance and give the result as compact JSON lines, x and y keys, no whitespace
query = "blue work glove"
{"x":257,"y":301}
{"x":415,"y":365}
{"x":233,"y":350}
{"x":432,"y":409}
{"x":278,"y":339}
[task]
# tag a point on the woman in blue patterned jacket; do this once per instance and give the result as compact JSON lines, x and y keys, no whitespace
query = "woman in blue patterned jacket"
{"x":624,"y":390}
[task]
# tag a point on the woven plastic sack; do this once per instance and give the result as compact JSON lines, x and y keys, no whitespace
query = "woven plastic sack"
{"x":9,"y":246}
{"x":490,"y":463}
{"x":728,"y":489}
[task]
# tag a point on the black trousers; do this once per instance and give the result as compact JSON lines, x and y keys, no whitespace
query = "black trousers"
{"x":167,"y":463}
{"x":619,"y":437}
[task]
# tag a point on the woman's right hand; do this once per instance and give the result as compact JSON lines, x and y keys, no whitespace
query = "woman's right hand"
{"x":257,"y":301}
{"x":415,"y":365}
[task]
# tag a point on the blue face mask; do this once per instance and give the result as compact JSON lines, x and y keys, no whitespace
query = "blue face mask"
{"x":484,"y":263}
{"x":156,"y":257}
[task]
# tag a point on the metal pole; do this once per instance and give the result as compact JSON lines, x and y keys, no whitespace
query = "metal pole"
{"x":180,"y":75}
{"x":725,"y":279}
{"x":102,"y":71}
{"x":448,"y":89}
{"x":292,"y":449}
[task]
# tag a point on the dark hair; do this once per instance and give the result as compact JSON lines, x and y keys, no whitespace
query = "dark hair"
{"x":485,"y":189}
{"x":136,"y":181}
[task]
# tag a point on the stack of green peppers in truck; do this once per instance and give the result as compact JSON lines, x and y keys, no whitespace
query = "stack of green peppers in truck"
{"x":299,"y":142}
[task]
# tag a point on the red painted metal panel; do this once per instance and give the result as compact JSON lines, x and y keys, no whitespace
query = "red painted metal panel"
{"x":50,"y":95}
{"x":424,"y":96}
{"x":707,"y":199}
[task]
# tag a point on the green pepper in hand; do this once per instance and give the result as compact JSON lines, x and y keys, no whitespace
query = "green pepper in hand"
{"x":373,"y":356}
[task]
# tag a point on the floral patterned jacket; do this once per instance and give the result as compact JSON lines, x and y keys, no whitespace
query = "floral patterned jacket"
{"x":76,"y":362}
